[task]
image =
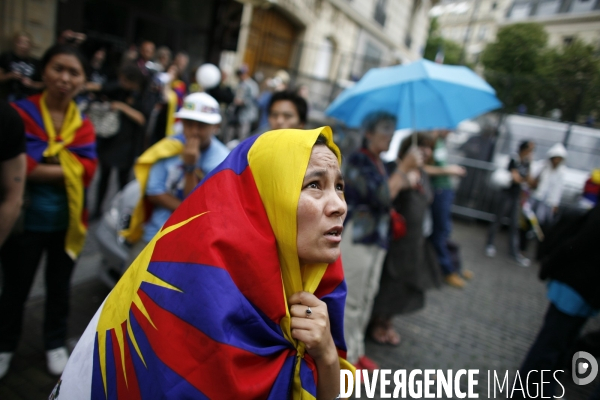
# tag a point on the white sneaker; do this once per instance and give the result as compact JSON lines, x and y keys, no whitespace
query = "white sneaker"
{"x":522,"y":260}
{"x":490,"y":250}
{"x":57,"y":360}
{"x":5,"y":363}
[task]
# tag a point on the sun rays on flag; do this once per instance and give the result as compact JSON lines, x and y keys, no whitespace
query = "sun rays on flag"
{"x":115,"y":313}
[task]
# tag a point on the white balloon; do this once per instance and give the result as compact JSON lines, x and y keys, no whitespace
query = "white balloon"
{"x":208,"y":76}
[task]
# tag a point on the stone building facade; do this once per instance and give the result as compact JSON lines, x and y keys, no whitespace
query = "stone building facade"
{"x":328,"y":43}
{"x":564,"y":20}
{"x":332,"y":39}
{"x":471,"y":23}
{"x":474,"y":23}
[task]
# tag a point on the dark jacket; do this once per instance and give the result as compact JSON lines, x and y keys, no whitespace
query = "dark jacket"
{"x":571,"y":254}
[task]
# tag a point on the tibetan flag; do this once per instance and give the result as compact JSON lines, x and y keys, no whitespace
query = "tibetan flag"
{"x":202,"y":312}
{"x":74,"y":147}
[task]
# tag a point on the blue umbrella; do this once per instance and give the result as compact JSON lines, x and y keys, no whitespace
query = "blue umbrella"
{"x":422,"y":95}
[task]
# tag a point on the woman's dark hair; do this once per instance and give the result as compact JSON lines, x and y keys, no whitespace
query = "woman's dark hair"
{"x":132,"y":73}
{"x":424,"y":139}
{"x":59,"y":49}
{"x":323,"y":141}
{"x":524,"y":145}
{"x":298,"y":102}
{"x":370,"y":122}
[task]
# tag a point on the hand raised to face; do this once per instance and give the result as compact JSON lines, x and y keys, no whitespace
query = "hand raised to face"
{"x":191,"y":151}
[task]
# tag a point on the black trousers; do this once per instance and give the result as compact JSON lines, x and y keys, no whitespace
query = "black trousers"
{"x":105,"y":170}
{"x":508,"y":202}
{"x":550,"y":349}
{"x":20,"y":257}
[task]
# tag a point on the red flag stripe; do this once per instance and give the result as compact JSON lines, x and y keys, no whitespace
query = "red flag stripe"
{"x":209,"y":368}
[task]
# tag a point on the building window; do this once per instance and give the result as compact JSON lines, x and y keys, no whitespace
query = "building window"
{"x":324,"y":57}
{"x":567,"y":40}
{"x":548,"y":7}
{"x":372,"y":57}
{"x":520,"y":11}
{"x":582,"y":6}
{"x":482,"y":32}
{"x":379,"y":15}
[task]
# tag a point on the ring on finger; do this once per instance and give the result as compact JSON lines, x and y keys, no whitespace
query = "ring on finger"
{"x":308,"y":312}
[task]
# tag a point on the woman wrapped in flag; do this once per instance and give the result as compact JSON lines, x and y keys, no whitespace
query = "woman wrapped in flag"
{"x":61,"y":160}
{"x":239,"y":296}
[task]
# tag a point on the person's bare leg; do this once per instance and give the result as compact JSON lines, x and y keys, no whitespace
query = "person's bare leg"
{"x":378,"y":330}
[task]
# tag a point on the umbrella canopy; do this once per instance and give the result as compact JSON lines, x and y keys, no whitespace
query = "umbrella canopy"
{"x":422,"y":95}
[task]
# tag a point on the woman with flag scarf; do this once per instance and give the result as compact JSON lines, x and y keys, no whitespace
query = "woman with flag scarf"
{"x":61,"y":160}
{"x":240,"y":295}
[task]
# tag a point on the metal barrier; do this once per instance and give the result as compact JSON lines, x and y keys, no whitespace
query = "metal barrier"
{"x":475,"y":197}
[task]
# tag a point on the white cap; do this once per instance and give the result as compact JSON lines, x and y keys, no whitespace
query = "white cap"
{"x":558,"y":150}
{"x":200,"y":107}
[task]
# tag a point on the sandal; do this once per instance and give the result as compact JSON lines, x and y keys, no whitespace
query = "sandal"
{"x":379,"y":334}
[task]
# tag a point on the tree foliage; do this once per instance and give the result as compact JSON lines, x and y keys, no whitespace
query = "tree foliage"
{"x":518,"y":49}
{"x":574,"y":71}
{"x":524,"y":71}
{"x":435,"y":43}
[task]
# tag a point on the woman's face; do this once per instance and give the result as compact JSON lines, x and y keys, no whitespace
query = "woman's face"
{"x":64,"y":76}
{"x":22,"y":46}
{"x":321,"y":209}
{"x":426,"y":152}
{"x":380,"y":139}
{"x":527,"y":153}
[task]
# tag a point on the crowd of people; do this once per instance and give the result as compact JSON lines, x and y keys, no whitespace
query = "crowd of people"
{"x":148,"y":121}
{"x":66,"y":116}
{"x":397,"y":245}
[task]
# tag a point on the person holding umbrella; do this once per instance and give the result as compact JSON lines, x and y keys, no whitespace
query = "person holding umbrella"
{"x":369,"y":191}
{"x":410,"y":267}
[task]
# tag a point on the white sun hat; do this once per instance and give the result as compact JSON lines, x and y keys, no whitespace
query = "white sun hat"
{"x":200,"y":107}
{"x":558,"y":150}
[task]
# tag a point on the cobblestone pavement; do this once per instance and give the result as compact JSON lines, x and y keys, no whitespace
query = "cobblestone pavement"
{"x":487,"y":326}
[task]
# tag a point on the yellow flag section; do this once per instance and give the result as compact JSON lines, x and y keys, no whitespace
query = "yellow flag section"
{"x":165,"y":148}
{"x":171,"y":109}
{"x":279,"y":190}
{"x":72,"y":170}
